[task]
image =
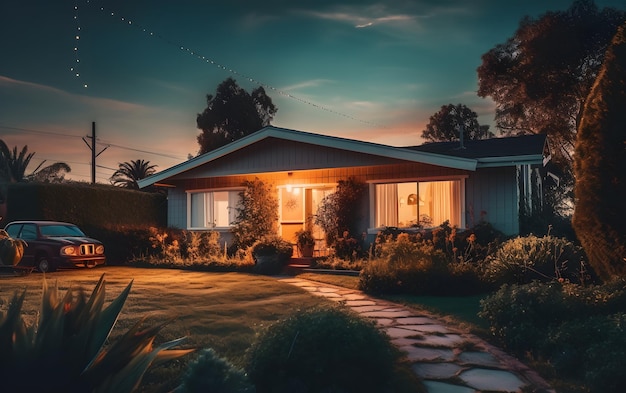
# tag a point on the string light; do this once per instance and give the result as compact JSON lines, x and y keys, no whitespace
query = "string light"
{"x":212,"y":62}
{"x":75,"y":69}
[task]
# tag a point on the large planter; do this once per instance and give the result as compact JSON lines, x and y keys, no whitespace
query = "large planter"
{"x":306,"y":250}
{"x":268,"y":264}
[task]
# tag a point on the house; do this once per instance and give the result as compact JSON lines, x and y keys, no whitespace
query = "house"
{"x":463,"y":183}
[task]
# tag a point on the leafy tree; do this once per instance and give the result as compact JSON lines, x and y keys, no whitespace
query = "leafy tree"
{"x":256,"y":214}
{"x":600,"y":166}
{"x":232,"y":114}
{"x":445,"y":125}
{"x":129,"y":173}
{"x":54,"y":173}
{"x":540,"y":77}
{"x":13,"y":166}
{"x":342,"y":211}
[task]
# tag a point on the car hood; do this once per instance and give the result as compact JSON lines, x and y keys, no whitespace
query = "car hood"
{"x":74,"y":239}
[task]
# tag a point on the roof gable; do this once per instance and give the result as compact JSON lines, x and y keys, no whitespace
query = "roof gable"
{"x":353,"y":148}
{"x":296,"y":148}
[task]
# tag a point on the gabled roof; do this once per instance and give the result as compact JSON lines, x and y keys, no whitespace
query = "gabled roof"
{"x":351,"y":145}
{"x":524,"y":149}
{"x":492,"y":152}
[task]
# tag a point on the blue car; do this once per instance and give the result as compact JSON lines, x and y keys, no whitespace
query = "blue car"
{"x":52,"y":245}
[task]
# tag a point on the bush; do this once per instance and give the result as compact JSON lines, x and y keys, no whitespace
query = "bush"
{"x":528,"y":258}
{"x":411,"y":266}
{"x":578,"y":332}
{"x":326,"y":348}
{"x":271,"y":254}
{"x":210,"y":373}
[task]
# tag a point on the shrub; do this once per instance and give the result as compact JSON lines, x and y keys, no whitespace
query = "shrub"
{"x":600,"y":167}
{"x":326,"y":348}
{"x":210,"y":373}
{"x":342,"y":211}
{"x":412,"y":266}
{"x":256,"y":214}
{"x":528,"y":258}
{"x":271,"y":254}
{"x":578,"y":332}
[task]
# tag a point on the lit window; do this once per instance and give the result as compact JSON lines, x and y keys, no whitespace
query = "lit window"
{"x":213,"y":209}
{"x":413,"y":204}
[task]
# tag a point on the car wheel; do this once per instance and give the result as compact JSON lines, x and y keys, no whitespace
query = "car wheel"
{"x":44,"y":265}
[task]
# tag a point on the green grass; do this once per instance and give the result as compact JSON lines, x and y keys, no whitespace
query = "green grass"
{"x":223,"y":311}
{"x":463,"y":309}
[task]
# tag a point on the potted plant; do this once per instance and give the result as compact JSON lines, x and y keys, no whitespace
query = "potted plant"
{"x":270,"y":254}
{"x":305,"y":242}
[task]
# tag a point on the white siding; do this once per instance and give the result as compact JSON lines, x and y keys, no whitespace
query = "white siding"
{"x":176,"y":208}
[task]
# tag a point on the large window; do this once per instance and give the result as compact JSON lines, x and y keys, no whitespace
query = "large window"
{"x":212,"y":209}
{"x":409,"y":204}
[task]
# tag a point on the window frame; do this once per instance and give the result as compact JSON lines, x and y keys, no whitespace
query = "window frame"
{"x":208,"y":198}
{"x":373,"y":228}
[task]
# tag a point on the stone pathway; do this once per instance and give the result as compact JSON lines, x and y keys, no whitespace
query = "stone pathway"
{"x":447,"y":359}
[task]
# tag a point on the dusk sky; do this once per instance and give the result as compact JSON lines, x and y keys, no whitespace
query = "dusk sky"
{"x":368,"y":70}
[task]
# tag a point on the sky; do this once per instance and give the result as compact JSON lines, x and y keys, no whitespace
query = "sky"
{"x":140,"y":70}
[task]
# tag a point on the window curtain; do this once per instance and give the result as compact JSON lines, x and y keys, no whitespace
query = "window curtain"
{"x":446,"y":202}
{"x":386,"y":205}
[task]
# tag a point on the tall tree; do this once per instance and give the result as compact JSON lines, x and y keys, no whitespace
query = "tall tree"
{"x":540,"y":77}
{"x":600,"y":166}
{"x":445,"y":125}
{"x":129,"y":173}
{"x":13,"y":166}
{"x":232,"y":114}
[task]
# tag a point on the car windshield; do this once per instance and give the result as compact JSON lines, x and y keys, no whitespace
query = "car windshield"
{"x":60,"y":230}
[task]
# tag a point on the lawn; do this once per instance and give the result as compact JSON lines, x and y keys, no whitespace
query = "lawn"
{"x":462,"y":309}
{"x":218,"y":310}
{"x":223,"y":311}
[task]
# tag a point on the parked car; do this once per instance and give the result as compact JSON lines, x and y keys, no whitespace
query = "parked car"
{"x":52,"y":245}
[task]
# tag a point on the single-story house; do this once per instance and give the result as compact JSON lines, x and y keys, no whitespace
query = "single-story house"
{"x":461,"y":182}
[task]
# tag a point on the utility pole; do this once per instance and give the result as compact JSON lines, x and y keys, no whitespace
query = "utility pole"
{"x":92,"y":147}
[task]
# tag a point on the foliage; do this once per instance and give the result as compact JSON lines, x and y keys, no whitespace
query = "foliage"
{"x":11,"y":250}
{"x":129,"y":173}
{"x":411,"y":265}
{"x":86,"y":205}
{"x":13,"y":166}
{"x":232,"y":114}
{"x":523,"y":259}
{"x":601,"y":168}
{"x":326,"y":348}
{"x":66,"y":346}
{"x":211,"y":373}
{"x":336,"y":263}
{"x":540,"y":77}
{"x":256,"y":215}
{"x":341,"y":211}
{"x":577,"y":332}
{"x":304,"y":237}
{"x":444,"y":125}
{"x":271,"y":253}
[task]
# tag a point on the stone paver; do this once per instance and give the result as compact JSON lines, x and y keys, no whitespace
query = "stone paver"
{"x":447,"y":359}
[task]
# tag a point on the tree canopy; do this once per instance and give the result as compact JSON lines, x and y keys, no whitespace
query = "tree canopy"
{"x":13,"y":166}
{"x":232,"y":114}
{"x":129,"y":173}
{"x":600,"y":166}
{"x":445,"y":125}
{"x":540,"y":77}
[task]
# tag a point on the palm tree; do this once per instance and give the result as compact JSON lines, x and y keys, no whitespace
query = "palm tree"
{"x":13,"y":166}
{"x":130,"y":172}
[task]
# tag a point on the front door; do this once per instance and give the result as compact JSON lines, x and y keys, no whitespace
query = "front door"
{"x":298,"y":206}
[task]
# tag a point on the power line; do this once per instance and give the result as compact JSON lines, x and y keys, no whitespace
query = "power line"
{"x":39,"y":132}
{"x":231,"y":70}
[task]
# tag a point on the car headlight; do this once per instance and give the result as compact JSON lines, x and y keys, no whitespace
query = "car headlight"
{"x":100,"y":249}
{"x":68,"y":250}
